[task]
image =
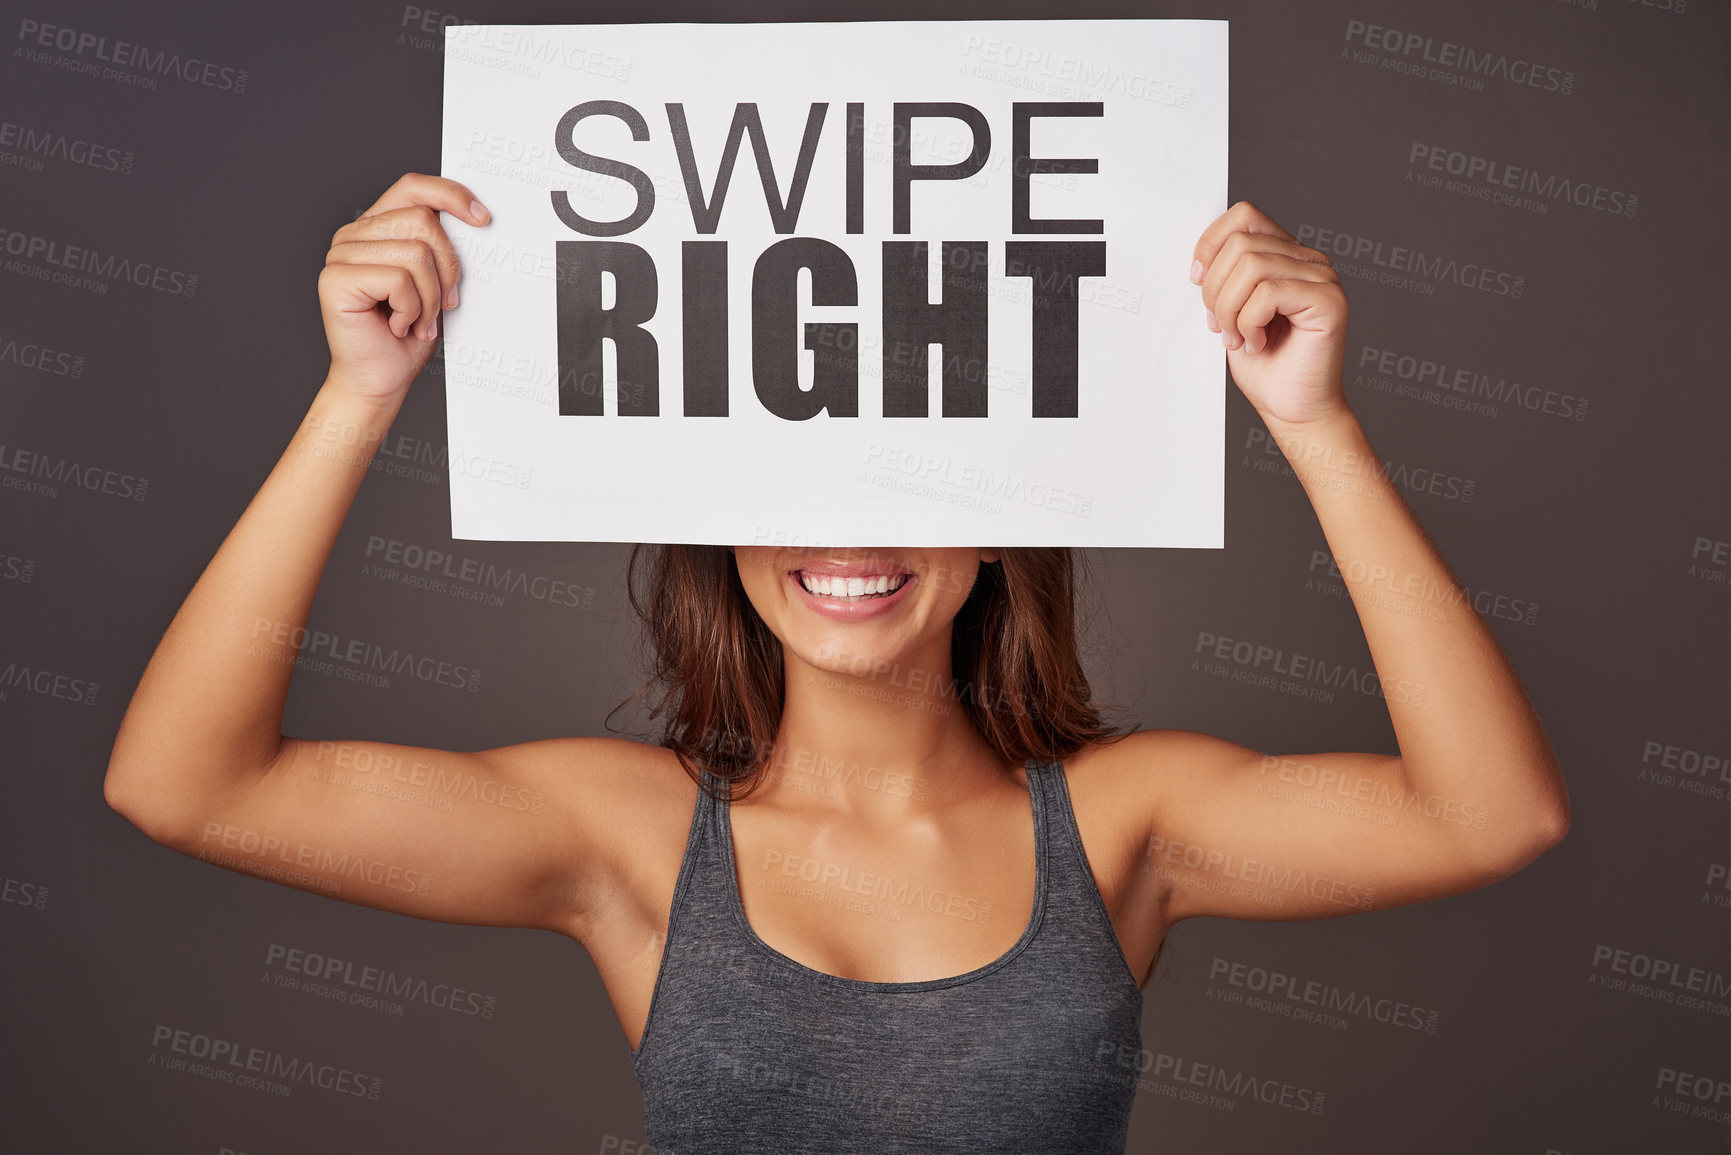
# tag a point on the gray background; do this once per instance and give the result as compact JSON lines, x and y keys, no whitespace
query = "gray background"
{"x":1598,"y":522}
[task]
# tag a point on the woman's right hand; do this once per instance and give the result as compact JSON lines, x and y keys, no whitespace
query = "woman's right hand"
{"x":395,"y":254}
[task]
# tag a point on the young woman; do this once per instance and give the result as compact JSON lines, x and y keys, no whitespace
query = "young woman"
{"x":889,"y":883}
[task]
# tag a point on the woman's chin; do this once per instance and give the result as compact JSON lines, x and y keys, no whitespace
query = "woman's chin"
{"x":849,"y":653}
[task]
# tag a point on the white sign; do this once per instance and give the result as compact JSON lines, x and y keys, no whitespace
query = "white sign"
{"x":897,"y":283}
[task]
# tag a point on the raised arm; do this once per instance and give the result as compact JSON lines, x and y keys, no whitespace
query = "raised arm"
{"x":1475,"y":792}
{"x":200,"y":763}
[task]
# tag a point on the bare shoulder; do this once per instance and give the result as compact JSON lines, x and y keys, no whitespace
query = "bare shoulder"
{"x":1146,"y":765}
{"x":600,"y":767}
{"x":1115,"y":788}
{"x":628,"y":804}
{"x":617,"y":792}
{"x":1126,"y":784}
{"x":1118,"y":788}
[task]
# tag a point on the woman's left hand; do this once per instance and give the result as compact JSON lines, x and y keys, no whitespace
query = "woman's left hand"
{"x":1281,"y":314}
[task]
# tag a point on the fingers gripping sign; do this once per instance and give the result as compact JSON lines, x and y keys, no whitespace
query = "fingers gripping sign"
{"x":387,"y":275}
{"x":1280,"y":311}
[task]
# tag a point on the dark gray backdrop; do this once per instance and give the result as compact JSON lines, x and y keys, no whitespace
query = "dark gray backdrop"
{"x":1580,"y":1006}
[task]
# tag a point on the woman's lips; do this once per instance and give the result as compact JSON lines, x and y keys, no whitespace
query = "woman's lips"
{"x":852,"y":608}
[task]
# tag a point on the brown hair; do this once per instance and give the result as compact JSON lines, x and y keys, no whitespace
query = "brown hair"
{"x":718,"y":668}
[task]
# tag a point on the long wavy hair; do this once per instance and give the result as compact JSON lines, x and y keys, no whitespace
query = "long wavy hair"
{"x":716,"y":672}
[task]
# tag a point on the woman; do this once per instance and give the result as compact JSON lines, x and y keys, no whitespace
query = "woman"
{"x":924,"y":918}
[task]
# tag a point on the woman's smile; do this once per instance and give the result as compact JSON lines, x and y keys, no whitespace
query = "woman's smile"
{"x":851,"y":591}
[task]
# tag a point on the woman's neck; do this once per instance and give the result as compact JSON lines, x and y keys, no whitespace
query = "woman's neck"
{"x":873,"y":737}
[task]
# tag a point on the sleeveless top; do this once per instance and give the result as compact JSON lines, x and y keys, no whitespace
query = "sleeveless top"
{"x":747,"y":1050}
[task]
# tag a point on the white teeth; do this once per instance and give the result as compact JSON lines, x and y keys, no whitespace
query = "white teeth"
{"x":850,"y":588}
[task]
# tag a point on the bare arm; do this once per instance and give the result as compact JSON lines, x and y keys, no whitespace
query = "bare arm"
{"x":207,"y":714}
{"x":200,"y":762}
{"x":1475,"y":792}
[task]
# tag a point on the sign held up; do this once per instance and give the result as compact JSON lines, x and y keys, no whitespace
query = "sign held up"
{"x":951,"y":308}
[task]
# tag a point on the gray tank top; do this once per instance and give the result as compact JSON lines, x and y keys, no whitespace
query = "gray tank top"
{"x":747,"y":1050}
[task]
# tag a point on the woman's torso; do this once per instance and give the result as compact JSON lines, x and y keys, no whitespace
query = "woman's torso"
{"x":806,"y":954}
